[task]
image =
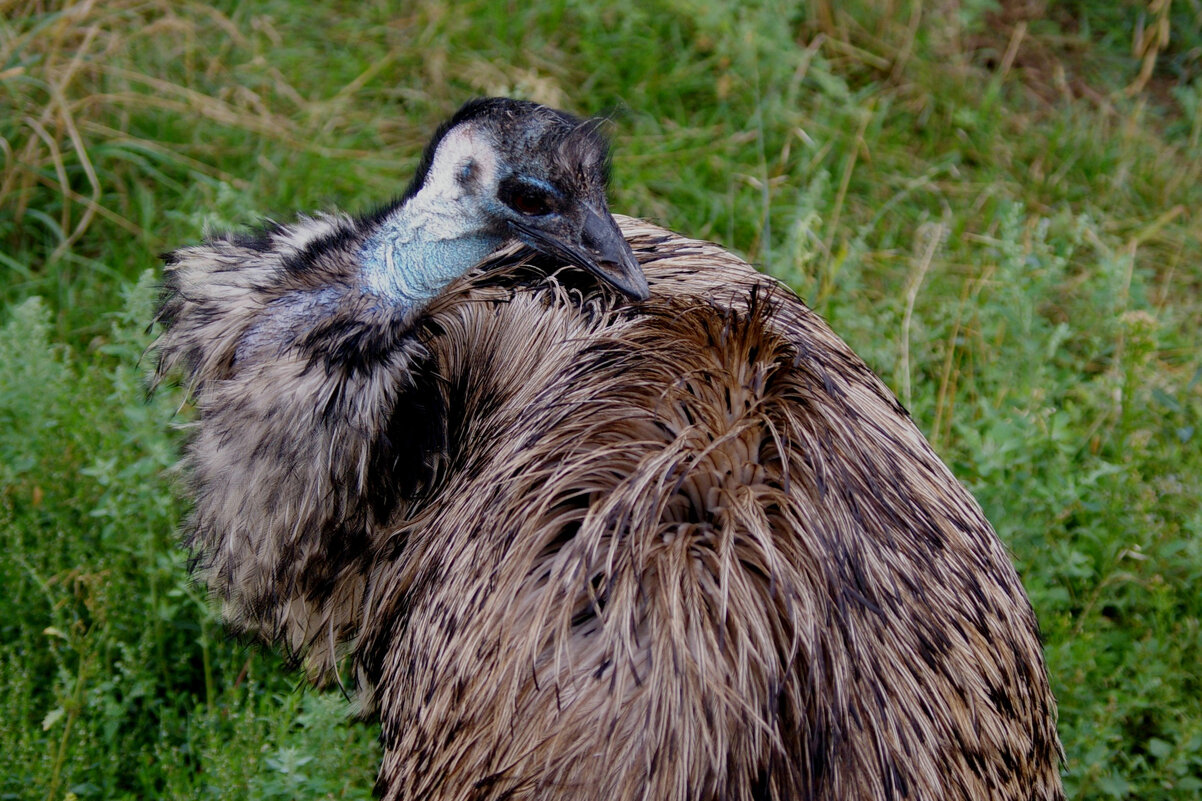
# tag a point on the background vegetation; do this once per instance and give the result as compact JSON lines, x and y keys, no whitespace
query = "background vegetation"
{"x":997,"y":204}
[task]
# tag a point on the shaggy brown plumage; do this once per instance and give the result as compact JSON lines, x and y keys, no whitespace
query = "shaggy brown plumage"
{"x":578,"y":548}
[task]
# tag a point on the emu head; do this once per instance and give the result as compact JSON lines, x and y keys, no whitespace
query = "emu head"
{"x":501,"y":169}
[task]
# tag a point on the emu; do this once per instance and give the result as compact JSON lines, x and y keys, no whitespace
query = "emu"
{"x":674,"y":541}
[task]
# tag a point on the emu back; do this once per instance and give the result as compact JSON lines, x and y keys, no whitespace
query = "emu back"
{"x":690,"y":548}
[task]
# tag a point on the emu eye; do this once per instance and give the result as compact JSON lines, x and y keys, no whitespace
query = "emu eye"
{"x":526,"y":198}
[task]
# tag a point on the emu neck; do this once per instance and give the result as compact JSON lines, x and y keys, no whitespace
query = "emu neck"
{"x":418,"y":250}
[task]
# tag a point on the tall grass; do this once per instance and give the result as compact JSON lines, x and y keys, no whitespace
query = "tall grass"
{"x":996,"y":204}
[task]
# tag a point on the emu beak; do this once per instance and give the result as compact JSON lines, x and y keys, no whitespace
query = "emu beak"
{"x":601,"y":249}
{"x":611,"y":258}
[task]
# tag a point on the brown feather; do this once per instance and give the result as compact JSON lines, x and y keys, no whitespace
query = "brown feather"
{"x":690,"y":548}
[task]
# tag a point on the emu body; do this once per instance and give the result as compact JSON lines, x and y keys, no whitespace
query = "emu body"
{"x":691,"y":548}
{"x":575,"y":547}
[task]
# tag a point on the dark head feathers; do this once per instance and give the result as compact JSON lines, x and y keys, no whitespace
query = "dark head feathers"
{"x":551,"y":126}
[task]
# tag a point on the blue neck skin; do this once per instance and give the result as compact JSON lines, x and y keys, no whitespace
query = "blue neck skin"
{"x":409,"y":269}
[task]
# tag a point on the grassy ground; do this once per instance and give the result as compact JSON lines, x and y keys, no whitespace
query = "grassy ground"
{"x":996,"y":204}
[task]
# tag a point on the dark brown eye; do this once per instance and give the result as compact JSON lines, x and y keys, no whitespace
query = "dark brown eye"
{"x":527,"y":198}
{"x":530,"y":203}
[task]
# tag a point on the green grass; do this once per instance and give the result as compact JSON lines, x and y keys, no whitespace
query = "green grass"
{"x":997,"y":212}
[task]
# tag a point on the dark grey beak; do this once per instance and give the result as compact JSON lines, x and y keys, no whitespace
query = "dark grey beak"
{"x":612,"y":259}
{"x":601,"y":250}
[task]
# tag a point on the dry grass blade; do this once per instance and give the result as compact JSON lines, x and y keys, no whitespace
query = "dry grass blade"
{"x":1148,"y":41}
{"x":68,"y":66}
